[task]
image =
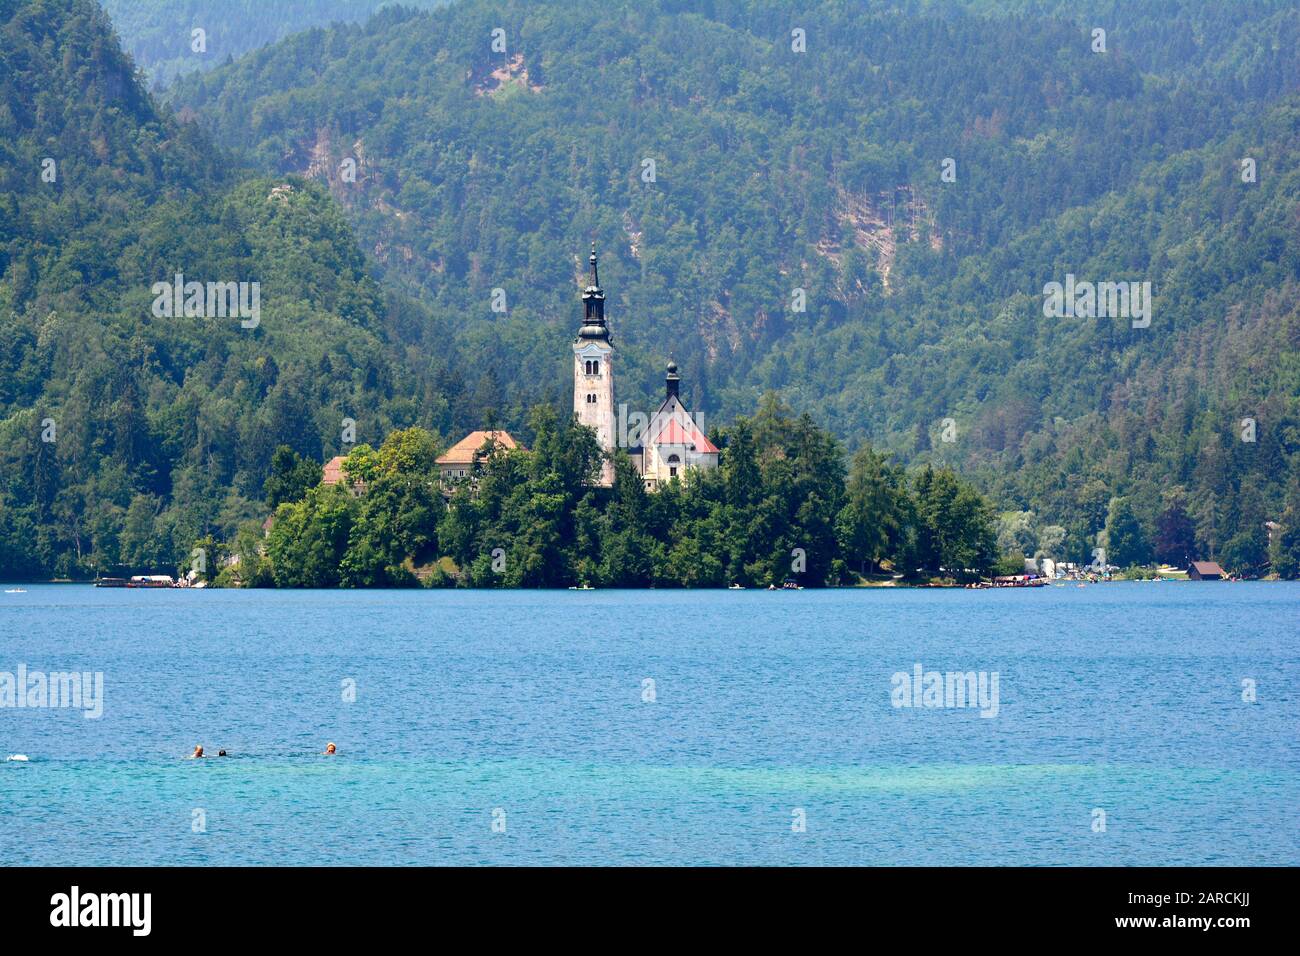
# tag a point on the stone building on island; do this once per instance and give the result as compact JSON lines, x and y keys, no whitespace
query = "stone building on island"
{"x":459,"y":460}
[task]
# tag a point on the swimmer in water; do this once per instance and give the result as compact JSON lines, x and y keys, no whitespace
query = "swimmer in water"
{"x":198,"y":752}
{"x":331,"y":749}
{"x":221,"y":753}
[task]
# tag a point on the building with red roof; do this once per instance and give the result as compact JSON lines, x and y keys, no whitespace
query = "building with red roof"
{"x":672,"y":444}
{"x":461,"y":458}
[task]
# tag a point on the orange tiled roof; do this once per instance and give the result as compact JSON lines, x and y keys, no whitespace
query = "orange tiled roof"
{"x":462,"y":453}
{"x":333,"y":473}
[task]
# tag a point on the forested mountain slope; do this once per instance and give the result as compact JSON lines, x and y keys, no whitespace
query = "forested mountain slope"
{"x":781,"y":161}
{"x":1243,"y":49}
{"x":126,"y":436}
{"x":159,"y":34}
{"x":915,"y":173}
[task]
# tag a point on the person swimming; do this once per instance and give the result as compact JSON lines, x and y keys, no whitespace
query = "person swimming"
{"x":331,"y":749}
{"x":222,"y":753}
{"x":198,"y":752}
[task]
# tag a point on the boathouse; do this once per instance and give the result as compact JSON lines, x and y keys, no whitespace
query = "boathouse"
{"x":1205,"y":571}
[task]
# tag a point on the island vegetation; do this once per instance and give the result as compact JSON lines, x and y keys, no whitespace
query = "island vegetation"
{"x":782,"y":508}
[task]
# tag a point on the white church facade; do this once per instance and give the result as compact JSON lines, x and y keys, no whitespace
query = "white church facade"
{"x":671,"y":444}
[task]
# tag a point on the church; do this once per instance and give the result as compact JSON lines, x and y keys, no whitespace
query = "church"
{"x":671,"y":443}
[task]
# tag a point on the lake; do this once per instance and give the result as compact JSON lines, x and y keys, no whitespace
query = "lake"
{"x":659,"y":727}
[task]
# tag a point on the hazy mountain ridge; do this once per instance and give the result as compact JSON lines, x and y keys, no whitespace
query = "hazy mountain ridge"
{"x":159,"y":33}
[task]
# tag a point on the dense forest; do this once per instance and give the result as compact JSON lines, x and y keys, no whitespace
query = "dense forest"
{"x":159,"y":34}
{"x":124,"y":438}
{"x":858,"y":211}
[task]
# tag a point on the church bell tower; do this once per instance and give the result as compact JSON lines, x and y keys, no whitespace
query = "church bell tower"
{"x":593,"y":372}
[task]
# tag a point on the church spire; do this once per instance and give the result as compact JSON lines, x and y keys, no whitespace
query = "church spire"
{"x":593,"y":301}
{"x":593,"y":371}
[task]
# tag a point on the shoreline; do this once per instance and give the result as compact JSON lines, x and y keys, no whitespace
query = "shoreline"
{"x":864,"y":585}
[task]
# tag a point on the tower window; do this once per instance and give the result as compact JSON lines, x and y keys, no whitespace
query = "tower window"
{"x":595,"y":367}
{"x":591,"y":398}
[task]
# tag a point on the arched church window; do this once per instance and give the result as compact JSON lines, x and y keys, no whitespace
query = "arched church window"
{"x":595,"y":367}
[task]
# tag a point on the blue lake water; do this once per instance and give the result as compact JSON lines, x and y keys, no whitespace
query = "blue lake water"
{"x":527,"y":709}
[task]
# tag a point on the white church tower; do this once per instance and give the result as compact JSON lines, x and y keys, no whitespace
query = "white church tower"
{"x":593,"y":372}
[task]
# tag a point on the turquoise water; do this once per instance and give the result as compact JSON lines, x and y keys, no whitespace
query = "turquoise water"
{"x":527,"y":709}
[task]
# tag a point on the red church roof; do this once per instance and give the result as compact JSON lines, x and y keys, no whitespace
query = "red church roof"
{"x":674,"y":434}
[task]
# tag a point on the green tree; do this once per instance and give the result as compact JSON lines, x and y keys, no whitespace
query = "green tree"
{"x":309,"y":538}
{"x":399,"y":511}
{"x":1175,"y":541}
{"x":958,"y":522}
{"x":1285,"y":552}
{"x":870,"y":526}
{"x":291,"y":477}
{"x":1126,"y":541}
